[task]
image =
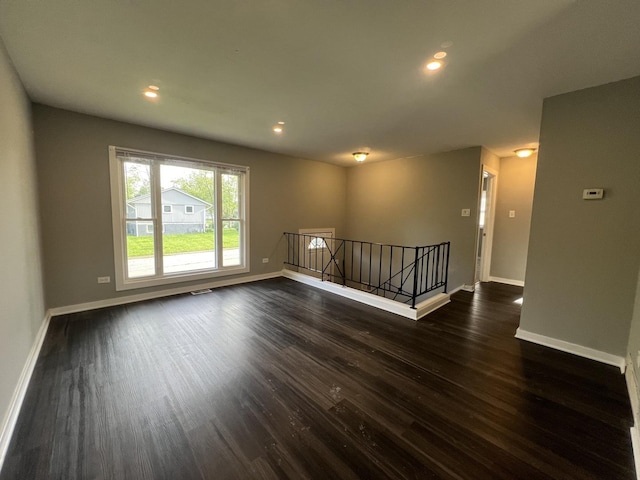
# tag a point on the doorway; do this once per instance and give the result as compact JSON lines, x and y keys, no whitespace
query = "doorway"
{"x":486,"y":214}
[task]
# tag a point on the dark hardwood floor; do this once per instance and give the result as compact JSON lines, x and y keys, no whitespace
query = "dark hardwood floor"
{"x":278,"y":380}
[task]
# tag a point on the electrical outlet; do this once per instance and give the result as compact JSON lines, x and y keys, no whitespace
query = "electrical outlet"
{"x":265,"y":260}
{"x":104,"y":279}
{"x":466,"y":212}
{"x":512,"y":214}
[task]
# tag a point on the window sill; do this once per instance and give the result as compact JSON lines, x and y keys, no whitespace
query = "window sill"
{"x":133,"y":284}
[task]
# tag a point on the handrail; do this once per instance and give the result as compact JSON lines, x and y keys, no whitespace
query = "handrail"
{"x":382,"y":269}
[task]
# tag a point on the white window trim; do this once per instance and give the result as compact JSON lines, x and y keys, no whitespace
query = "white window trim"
{"x":313,"y":244}
{"x":117,"y":185}
{"x":164,"y":206}
{"x":187,"y":212}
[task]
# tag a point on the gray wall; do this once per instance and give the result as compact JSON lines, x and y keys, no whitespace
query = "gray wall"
{"x":21,"y":297}
{"x":511,"y":235}
{"x":490,"y":159}
{"x":584,"y":256}
{"x":73,"y":167}
{"x":418,"y":201}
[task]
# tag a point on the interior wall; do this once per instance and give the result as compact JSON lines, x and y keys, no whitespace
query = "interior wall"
{"x":490,"y":159}
{"x":73,"y":165}
{"x":584,"y":255}
{"x":21,"y":296}
{"x":418,"y":201}
{"x":511,"y":235}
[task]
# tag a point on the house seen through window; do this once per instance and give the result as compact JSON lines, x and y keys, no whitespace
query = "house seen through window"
{"x":199,"y":229}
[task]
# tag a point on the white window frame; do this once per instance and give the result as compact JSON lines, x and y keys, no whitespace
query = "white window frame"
{"x":119,"y":219}
{"x":187,"y":212}
{"x":316,"y":243}
{"x":164,"y":208}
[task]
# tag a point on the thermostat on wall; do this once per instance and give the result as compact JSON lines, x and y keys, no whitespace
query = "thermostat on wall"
{"x":592,"y":193}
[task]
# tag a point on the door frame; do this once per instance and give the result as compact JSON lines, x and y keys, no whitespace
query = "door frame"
{"x":489,"y":222}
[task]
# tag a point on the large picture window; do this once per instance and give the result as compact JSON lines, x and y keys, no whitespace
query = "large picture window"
{"x":176,"y":219}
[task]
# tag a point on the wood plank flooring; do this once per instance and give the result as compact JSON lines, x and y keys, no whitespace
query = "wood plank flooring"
{"x":276,"y":380}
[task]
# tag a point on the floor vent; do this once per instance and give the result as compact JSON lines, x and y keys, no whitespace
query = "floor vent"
{"x":200,"y":292}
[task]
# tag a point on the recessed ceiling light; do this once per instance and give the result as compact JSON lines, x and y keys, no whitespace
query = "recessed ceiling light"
{"x":151,"y":91}
{"x":440,"y":55}
{"x":278,"y":129}
{"x":446,"y":44}
{"x":434,"y":65}
{"x":280,"y":123}
{"x":524,"y":152}
{"x":360,"y":156}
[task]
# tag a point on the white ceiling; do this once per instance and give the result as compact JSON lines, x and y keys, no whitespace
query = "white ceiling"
{"x":345,"y":75}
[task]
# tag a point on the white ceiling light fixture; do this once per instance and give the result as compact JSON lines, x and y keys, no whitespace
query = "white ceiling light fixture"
{"x":440,"y":55}
{"x":524,"y":152}
{"x":278,"y":128}
{"x":360,"y":156}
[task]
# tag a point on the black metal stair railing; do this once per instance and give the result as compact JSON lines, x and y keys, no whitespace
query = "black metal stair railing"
{"x":393,"y":271}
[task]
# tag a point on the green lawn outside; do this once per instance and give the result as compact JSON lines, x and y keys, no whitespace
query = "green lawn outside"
{"x":181,"y":243}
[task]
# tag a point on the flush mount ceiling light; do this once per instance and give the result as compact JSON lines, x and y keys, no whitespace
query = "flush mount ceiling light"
{"x":360,"y":156}
{"x":278,"y":128}
{"x":440,"y":55}
{"x":524,"y":152}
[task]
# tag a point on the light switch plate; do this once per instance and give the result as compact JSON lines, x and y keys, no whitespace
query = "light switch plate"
{"x":466,"y":212}
{"x":512,"y":214}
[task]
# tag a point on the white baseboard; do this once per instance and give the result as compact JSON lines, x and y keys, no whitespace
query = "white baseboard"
{"x":431,"y":305}
{"x":6,"y":430}
{"x":110,"y":302}
{"x":464,"y":288}
{"x":508,"y":281}
{"x":634,"y":397}
{"x":422,"y":309}
{"x":573,"y":348}
{"x":632,"y":388}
